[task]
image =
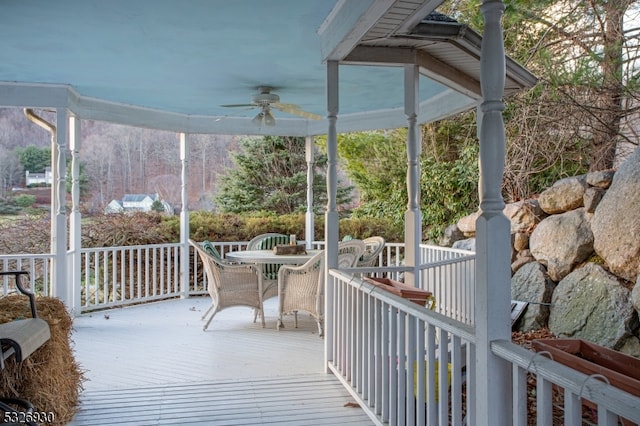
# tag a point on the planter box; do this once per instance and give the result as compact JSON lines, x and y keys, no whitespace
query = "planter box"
{"x":416,"y":295}
{"x":622,"y":371}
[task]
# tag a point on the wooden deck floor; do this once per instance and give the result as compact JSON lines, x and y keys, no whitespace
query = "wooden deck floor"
{"x":152,"y":364}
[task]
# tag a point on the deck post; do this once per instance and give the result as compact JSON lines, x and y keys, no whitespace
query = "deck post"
{"x":331,"y":231}
{"x":61,"y":288}
{"x":309,"y":225}
{"x":493,"y":249}
{"x":413,"y":215}
{"x":184,"y":217}
{"x":75,"y":223}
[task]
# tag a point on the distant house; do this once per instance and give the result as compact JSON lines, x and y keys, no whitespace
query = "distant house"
{"x":38,"y":178}
{"x":136,"y":203}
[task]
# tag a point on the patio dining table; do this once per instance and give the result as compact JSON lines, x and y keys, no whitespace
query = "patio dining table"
{"x":268,"y":256}
{"x":265,"y":257}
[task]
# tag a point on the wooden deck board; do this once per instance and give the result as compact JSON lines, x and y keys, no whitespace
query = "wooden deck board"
{"x":153,"y":365}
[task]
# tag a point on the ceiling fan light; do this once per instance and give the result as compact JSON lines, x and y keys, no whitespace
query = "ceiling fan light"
{"x":269,"y":119}
{"x":259,"y":119}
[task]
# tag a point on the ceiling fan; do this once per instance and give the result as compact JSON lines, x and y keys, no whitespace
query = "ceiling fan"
{"x":265,"y":100}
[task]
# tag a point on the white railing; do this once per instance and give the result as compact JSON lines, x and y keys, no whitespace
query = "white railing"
{"x":38,"y":266}
{"x":117,"y":276}
{"x":452,"y":282}
{"x":560,"y":392}
{"x":387,"y":353}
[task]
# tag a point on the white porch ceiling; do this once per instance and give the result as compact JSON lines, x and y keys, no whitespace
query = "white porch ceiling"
{"x":171,"y":64}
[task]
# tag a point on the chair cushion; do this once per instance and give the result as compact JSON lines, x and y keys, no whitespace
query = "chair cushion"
{"x":270,"y":242}
{"x":211,"y":249}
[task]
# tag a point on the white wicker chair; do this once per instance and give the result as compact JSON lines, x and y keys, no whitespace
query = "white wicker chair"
{"x":229,"y":285}
{"x":351,"y":246}
{"x":373,"y":248}
{"x":301,"y":288}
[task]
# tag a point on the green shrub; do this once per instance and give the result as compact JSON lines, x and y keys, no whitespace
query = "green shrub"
{"x":25,"y":200}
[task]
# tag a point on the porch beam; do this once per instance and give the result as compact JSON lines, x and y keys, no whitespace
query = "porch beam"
{"x":430,"y":66}
{"x":413,"y":215}
{"x":347,"y":23}
{"x":493,"y":271}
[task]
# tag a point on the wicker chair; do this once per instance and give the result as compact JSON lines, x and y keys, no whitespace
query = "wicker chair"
{"x":301,"y":288}
{"x":229,"y":285}
{"x":373,"y":248}
{"x":351,"y":246}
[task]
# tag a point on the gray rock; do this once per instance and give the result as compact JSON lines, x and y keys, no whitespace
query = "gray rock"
{"x":592,"y":197}
{"x":591,"y":304}
{"x":566,"y":194}
{"x":630,"y":346}
{"x":635,"y":296}
{"x":451,"y":234}
{"x":600,"y":179}
{"x":468,"y":244}
{"x":562,"y":241}
{"x":616,"y":222}
{"x":531,"y":284}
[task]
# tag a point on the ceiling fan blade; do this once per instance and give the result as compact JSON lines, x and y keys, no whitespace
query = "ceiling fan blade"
{"x":239,"y":105}
{"x":295,"y":110}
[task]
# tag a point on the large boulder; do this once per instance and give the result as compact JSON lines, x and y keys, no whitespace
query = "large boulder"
{"x":467,"y":224}
{"x":635,"y":295}
{"x":591,"y":304}
{"x":562,"y":241}
{"x":524,"y":215}
{"x":566,"y":194}
{"x":531,"y":284}
{"x":616,"y":223}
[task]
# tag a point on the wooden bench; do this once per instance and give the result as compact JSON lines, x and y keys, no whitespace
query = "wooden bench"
{"x":20,"y":338}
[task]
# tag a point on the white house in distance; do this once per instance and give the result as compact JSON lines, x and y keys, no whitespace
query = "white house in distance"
{"x":136,"y":203}
{"x":38,"y":178}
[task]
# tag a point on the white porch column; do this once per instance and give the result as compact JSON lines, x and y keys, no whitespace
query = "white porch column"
{"x":413,"y":215}
{"x":493,"y":274}
{"x":75,"y":231}
{"x":184,"y":217}
{"x":309,"y":225}
{"x":62,"y":288}
{"x":331,"y":233}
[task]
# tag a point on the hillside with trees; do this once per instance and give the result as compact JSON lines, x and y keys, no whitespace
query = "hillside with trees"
{"x":117,"y":160}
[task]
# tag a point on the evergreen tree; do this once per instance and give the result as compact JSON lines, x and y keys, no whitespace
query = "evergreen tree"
{"x":271,"y":175}
{"x":34,"y":159}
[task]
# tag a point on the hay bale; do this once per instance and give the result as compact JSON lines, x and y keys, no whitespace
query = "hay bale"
{"x":50,"y":378}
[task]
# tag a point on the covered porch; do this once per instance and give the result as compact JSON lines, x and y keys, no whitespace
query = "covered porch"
{"x":381,"y":348}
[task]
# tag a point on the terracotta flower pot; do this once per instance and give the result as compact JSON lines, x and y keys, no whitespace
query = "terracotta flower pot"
{"x":621,"y":370}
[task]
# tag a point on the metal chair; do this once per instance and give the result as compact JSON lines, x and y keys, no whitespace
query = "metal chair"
{"x":229,"y":285}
